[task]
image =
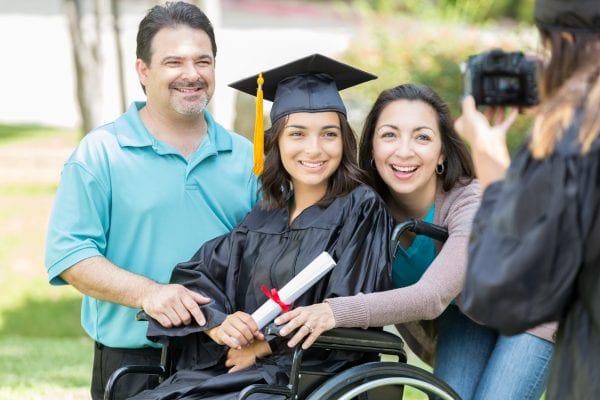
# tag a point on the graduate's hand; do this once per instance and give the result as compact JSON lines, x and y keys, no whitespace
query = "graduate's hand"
{"x":238,"y":330}
{"x":173,"y":305}
{"x":245,"y":357}
{"x":308,"y":322}
{"x":486,"y":134}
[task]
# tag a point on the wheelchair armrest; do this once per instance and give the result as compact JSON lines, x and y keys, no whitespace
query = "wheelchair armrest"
{"x":163,"y":370}
{"x":354,"y":339}
{"x":369,"y":340}
{"x":111,"y":385}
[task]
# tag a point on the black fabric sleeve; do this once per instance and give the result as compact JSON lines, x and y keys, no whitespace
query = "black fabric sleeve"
{"x":363,"y":251}
{"x":526,"y":246}
{"x":211,"y":272}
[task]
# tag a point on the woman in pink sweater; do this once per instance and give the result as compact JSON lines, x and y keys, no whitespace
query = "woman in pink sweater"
{"x":423,"y":170}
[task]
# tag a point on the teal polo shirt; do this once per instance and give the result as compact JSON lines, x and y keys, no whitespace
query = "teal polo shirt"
{"x":410,"y":264}
{"x":135,"y":200}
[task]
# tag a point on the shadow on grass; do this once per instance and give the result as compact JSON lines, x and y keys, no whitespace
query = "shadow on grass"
{"x":42,"y":363}
{"x":43,"y":318}
{"x":43,"y":347}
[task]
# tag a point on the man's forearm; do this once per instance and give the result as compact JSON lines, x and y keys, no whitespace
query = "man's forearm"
{"x":99,"y":278}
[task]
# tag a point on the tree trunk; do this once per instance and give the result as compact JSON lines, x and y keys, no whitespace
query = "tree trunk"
{"x":114,"y":9}
{"x":86,"y":47}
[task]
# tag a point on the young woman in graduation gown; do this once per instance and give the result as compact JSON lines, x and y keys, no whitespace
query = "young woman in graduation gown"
{"x":313,"y":200}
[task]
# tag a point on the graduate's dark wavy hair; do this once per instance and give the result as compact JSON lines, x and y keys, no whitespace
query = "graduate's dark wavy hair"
{"x":170,"y":15}
{"x":458,"y":165}
{"x":276,"y":181}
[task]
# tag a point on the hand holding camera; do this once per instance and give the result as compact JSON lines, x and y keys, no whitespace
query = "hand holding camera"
{"x":498,"y":78}
{"x":486,"y":134}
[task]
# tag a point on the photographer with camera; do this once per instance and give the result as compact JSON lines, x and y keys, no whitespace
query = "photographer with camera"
{"x":534,"y":254}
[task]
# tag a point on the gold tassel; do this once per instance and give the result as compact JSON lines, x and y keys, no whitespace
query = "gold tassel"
{"x":259,"y":132}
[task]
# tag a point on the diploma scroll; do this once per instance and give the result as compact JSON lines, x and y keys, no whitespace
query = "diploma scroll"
{"x":294,"y":288}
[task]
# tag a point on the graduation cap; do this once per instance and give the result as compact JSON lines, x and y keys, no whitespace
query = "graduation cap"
{"x":568,"y":15}
{"x":309,"y":84}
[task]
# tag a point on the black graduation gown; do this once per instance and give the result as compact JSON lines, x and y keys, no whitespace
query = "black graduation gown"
{"x":265,"y":250}
{"x":534,"y":257}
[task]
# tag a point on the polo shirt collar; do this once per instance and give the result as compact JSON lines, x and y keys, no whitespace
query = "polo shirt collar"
{"x":131,"y":132}
{"x":130,"y":129}
{"x":217,"y":134}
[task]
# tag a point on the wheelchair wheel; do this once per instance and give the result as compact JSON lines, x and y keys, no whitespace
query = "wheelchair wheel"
{"x":372,"y":376}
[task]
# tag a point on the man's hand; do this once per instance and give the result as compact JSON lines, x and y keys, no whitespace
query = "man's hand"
{"x":170,"y":305}
{"x":245,"y":357}
{"x":173,"y":305}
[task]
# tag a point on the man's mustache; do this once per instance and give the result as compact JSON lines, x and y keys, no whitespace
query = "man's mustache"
{"x":195,"y":84}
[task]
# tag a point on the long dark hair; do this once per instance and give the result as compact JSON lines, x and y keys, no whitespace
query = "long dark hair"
{"x":458,"y":166}
{"x":568,"y":82}
{"x":275,"y":180}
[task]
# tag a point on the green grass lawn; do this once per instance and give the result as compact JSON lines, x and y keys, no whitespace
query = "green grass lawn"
{"x":29,"y":362}
{"x":18,"y":133}
{"x":44,"y":353}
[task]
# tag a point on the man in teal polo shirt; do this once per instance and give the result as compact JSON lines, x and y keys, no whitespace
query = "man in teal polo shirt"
{"x":142,"y":193}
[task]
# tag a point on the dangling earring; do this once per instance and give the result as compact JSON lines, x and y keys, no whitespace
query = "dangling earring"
{"x":440,"y":168}
{"x":372,"y":163}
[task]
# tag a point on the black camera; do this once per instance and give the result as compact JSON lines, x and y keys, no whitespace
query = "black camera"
{"x":498,"y":78}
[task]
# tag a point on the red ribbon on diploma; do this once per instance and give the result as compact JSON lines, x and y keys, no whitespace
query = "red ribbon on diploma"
{"x":274,"y":295}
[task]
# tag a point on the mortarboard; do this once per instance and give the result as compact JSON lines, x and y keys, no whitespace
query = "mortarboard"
{"x":309,"y":84}
{"x":568,"y":15}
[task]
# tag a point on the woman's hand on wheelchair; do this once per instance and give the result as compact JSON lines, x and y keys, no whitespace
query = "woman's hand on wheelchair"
{"x":309,"y":323}
{"x":238,"y":330}
{"x":239,"y":359}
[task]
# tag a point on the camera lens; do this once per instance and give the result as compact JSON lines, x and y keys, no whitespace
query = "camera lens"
{"x":509,"y":84}
{"x":500,"y":78}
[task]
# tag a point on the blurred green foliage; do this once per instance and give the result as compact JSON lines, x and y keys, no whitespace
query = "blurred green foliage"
{"x":472,"y":11}
{"x":399,"y":49}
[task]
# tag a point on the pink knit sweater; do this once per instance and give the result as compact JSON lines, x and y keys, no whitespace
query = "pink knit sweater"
{"x":407,"y":307}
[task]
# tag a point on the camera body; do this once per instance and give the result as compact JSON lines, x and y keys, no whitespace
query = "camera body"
{"x":498,"y":78}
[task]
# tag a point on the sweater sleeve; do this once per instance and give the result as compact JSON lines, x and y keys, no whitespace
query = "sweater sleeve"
{"x":439,"y":285}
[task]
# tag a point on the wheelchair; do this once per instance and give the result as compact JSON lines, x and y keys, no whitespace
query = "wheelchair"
{"x":368,"y":381}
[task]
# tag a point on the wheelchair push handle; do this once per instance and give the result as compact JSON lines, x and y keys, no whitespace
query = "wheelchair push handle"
{"x":418,"y":227}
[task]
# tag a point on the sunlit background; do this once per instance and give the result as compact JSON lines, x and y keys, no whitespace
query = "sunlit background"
{"x":44,"y":353}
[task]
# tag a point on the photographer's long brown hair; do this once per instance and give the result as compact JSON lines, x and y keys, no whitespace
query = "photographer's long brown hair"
{"x":570,"y":80}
